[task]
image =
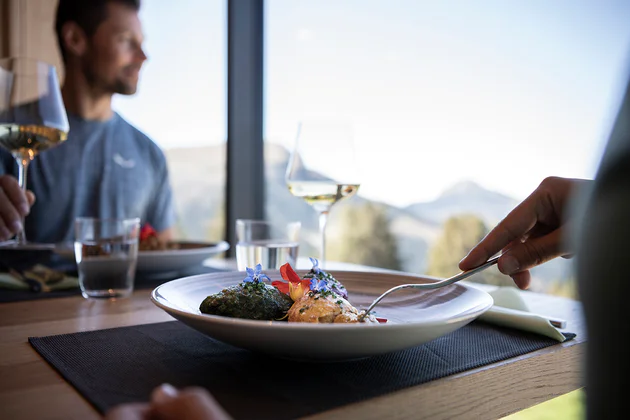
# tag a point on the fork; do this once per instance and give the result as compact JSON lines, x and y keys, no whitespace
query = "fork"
{"x":435,"y":285}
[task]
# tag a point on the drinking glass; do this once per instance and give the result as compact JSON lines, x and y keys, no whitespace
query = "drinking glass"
{"x":32,"y":115}
{"x":322,"y":168}
{"x":106,"y":251}
{"x":266,"y":243}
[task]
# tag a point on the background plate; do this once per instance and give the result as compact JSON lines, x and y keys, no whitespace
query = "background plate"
{"x":189,"y":255}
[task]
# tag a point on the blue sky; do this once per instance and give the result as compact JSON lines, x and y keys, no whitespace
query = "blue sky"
{"x":500,"y":92}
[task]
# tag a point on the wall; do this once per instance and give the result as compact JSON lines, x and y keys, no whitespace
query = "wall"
{"x":27,"y":30}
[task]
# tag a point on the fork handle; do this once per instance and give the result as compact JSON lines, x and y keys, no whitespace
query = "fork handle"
{"x":462,"y":275}
{"x":435,"y":285}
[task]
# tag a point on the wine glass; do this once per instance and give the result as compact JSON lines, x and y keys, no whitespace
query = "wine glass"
{"x":322,"y":168}
{"x":32,"y":116}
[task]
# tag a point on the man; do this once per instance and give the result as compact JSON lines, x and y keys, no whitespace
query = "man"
{"x":106,"y":168}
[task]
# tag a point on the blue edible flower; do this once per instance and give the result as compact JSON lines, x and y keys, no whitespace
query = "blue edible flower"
{"x":254,"y":275}
{"x":318,"y":285}
{"x":315,"y":269}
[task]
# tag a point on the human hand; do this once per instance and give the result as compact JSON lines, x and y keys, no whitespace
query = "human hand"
{"x":168,"y":403}
{"x":529,"y":235}
{"x":14,"y":205}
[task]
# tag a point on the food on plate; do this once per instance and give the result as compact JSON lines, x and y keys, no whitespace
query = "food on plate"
{"x":150,"y":241}
{"x":318,"y":297}
{"x":251,"y":299}
{"x":331,"y":283}
{"x":323,"y":308}
{"x":315,"y":298}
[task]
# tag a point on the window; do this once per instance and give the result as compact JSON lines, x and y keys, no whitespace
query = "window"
{"x":181,"y":105}
{"x":459,"y":108}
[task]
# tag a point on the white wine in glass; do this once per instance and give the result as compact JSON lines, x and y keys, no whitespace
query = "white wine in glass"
{"x":321,"y":195}
{"x":32,"y":115}
{"x":322,"y":169}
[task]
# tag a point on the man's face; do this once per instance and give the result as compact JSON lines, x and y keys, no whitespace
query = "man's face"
{"x":114,"y":57}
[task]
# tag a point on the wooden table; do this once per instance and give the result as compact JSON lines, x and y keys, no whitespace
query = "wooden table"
{"x":31,"y":389}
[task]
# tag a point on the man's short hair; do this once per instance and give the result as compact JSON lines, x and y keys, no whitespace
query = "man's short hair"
{"x":88,"y":14}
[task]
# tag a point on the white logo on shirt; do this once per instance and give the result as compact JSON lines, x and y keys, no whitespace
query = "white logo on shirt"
{"x":125,"y":163}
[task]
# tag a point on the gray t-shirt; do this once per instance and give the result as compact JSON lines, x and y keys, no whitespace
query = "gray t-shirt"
{"x":104,"y":169}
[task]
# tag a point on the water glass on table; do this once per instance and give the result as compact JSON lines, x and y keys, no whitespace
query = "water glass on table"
{"x":106,"y":252}
{"x":266,"y":243}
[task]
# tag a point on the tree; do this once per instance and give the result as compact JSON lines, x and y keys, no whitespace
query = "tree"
{"x":365,"y":237}
{"x":460,"y":234}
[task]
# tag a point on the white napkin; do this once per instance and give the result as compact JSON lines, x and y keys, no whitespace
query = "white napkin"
{"x":510,"y":310}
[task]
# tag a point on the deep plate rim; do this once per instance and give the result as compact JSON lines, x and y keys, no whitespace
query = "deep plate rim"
{"x":160,"y":301}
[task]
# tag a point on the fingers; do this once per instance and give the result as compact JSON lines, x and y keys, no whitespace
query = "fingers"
{"x":510,"y":230}
{"x":5,"y":233}
{"x":164,"y":393}
{"x":517,"y":261}
{"x":542,"y":211}
{"x":190,"y":403}
{"x":14,"y":205}
{"x":11,"y":219}
{"x":15,"y":194}
{"x":530,"y":234}
{"x":30,"y":198}
{"x":134,"y":411}
{"x":522,"y":279}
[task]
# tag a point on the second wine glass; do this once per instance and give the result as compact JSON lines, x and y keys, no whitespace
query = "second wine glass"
{"x":322,"y":168}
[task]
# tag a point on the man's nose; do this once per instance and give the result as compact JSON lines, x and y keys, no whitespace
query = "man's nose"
{"x":141,"y":55}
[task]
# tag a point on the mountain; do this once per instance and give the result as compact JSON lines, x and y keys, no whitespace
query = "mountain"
{"x":198,"y":181}
{"x":413,"y":234}
{"x":465,"y":197}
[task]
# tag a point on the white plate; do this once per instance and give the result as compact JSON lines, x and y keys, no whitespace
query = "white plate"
{"x":414,"y":317}
{"x":190,"y":254}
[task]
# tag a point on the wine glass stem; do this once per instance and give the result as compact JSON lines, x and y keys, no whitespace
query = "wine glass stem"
{"x":22,"y":163}
{"x":323,"y":219}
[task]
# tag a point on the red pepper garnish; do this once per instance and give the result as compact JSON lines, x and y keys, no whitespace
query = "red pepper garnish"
{"x":381,"y":320}
{"x":147,"y":231}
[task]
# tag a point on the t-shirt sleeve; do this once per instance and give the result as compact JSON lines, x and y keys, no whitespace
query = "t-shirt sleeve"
{"x":161,"y":211}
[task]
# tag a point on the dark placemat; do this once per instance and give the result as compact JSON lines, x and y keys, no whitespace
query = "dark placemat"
{"x":142,"y":281}
{"x":120,"y":365}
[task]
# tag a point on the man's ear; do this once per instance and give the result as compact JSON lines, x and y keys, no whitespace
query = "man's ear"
{"x":74,"y":39}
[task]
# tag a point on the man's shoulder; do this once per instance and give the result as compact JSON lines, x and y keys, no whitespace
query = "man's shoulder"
{"x":141,"y":139}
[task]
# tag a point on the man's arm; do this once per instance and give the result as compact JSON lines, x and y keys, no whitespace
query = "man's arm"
{"x":166,"y":235}
{"x":161,"y":211}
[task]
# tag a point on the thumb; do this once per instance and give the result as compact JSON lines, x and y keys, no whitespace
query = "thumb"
{"x":164,"y":393}
{"x":30,"y":197}
{"x":532,"y":252}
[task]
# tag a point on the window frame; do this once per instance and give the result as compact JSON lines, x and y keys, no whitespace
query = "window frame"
{"x":245,"y":180}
